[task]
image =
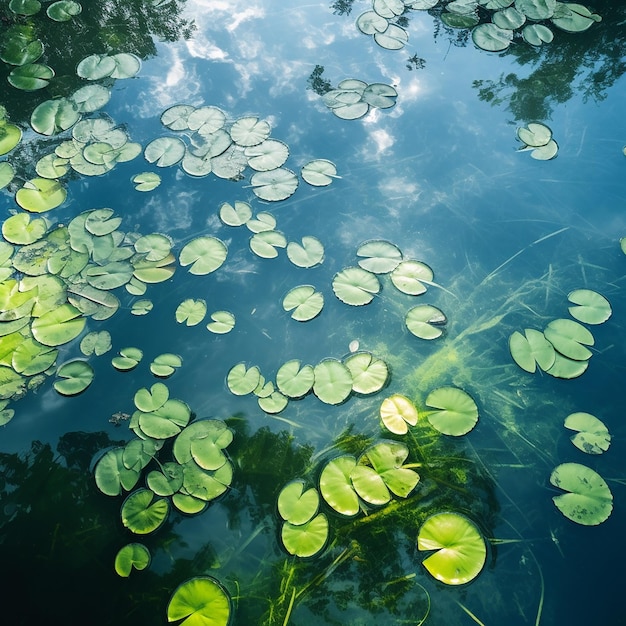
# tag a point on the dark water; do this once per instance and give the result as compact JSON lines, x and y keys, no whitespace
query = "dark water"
{"x":440,"y":176}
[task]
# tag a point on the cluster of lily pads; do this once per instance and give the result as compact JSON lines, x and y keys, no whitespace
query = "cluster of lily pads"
{"x":225,"y":149}
{"x":332,"y":381}
{"x":538,"y":139}
{"x":531,"y":20}
{"x":353,"y":98}
{"x":561,"y":349}
{"x":53,"y":279}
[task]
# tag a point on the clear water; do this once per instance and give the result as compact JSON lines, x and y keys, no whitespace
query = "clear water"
{"x":439,"y":175}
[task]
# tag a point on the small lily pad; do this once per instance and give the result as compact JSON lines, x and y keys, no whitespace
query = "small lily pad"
{"x":592,"y":307}
{"x":146,"y":181}
{"x":379,"y":256}
{"x":128,"y":359}
{"x":274,"y":185}
{"x":200,"y":600}
{"x":355,"y":286}
{"x":411,"y":277}
{"x":304,"y":303}
{"x":142,"y":513}
{"x":319,"y":172}
{"x":39,"y":195}
{"x":333,"y":381}
{"x":492,"y":38}
{"x":297,"y":506}
{"x":242,"y":380}
{"x":204,"y":255}
{"x":570,"y":339}
{"x":191,"y":312}
{"x":336,"y":487}
{"x":236,"y":215}
{"x":223,"y":322}
{"x":369,"y":374}
{"x":293,"y":380}
{"x":425,"y":321}
{"x":164,"y":365}
{"x":531,"y":349}
{"x":75,"y":377}
{"x":592,"y":436}
{"x":308,"y":539}
{"x":456,"y":412}
{"x":397,"y":413}
{"x":307,"y":254}
{"x":132,"y":555}
{"x":165,"y":151}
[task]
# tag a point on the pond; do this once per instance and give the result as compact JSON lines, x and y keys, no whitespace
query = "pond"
{"x":312,"y":313}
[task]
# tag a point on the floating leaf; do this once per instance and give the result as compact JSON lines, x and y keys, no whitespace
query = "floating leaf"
{"x":355,"y":286}
{"x":307,"y":254}
{"x":249,"y":131}
{"x":297,"y":506}
{"x":75,"y":377}
{"x":165,"y":421}
{"x":142,"y":513}
{"x":425,"y":321}
{"x":460,"y":549}
{"x":369,"y":374}
{"x":90,"y":98}
{"x":20,"y":229}
{"x":146,"y":181}
{"x":165,"y":364}
{"x":536,"y":9}
{"x":58,"y":326}
{"x":491,"y":37}
{"x":191,"y":312}
{"x":319,"y":172}
{"x":128,"y":359}
{"x":237,"y":215}
{"x":6,"y":169}
{"x":264,"y":244}
{"x":30,"y":357}
{"x":304,"y":302}
{"x":223,"y":322}
{"x":273,"y":403}
{"x":10,"y":136}
{"x":204,"y":254}
{"x":165,"y":151}
{"x":167,"y":481}
{"x":96,"y":342}
{"x":569,"y":338}
{"x":267,"y":155}
{"x":380,"y":95}
{"x":132,"y":555}
{"x":456,"y":412}
{"x":241,"y":381}
{"x":142,"y":307}
{"x":295,"y":381}
{"x":277,"y":184}
{"x":537,"y":34}
{"x":531,"y":349}
{"x":378,"y":256}
{"x":40,"y":194}
{"x":371,"y":22}
{"x":308,"y":539}
{"x":592,"y":308}
{"x":199,"y":601}
{"x":394,"y":38}
{"x":336,"y":487}
{"x":54,"y":116}
{"x":204,"y":442}
{"x":409,"y":277}
{"x":112,"y":475}
{"x":25,"y":7}
{"x":397,"y":412}
{"x":573,"y":18}
{"x":333,"y":381}
{"x":126,"y":65}
{"x":564,"y":367}
{"x":262,"y":222}
{"x":592,"y":435}
{"x":589,"y":500}
{"x":31,"y":77}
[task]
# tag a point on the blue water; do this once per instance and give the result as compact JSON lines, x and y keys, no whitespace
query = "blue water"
{"x":439,"y":175}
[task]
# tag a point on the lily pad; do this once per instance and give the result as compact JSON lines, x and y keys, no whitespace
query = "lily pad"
{"x":164,"y":365}
{"x":386,"y":458}
{"x":307,"y":254}
{"x":242,"y":380}
{"x":304,"y":303}
{"x":293,"y":380}
{"x":355,"y":286}
{"x":264,"y":244}
{"x":75,"y":377}
{"x":96,"y":342}
{"x":460,"y":548}
{"x":319,"y":172}
{"x":411,"y":277}
{"x":10,"y":136}
{"x":141,"y":307}
{"x":31,"y":77}
{"x":456,"y":412}
{"x":425,"y":321}
{"x":142,"y":513}
{"x":39,"y":195}
{"x":492,"y":38}
{"x":531,"y":349}
{"x":573,"y":18}
{"x":204,"y":441}
{"x":274,"y":185}
{"x":236,"y":215}
{"x":369,"y":374}
{"x":25,"y":7}
{"x":589,"y":500}
{"x":146,"y":181}
{"x":267,"y":155}
{"x":20,"y":229}
{"x":54,"y":116}
{"x":536,"y":9}
{"x":537,"y":34}
{"x":379,"y":256}
{"x":397,"y":413}
{"x":132,"y":555}
{"x":128,"y":359}
{"x":204,"y":255}
{"x":308,"y":539}
{"x":7,"y":172}
{"x":333,"y":381}
{"x":336,"y":487}
{"x":249,"y":131}
{"x":58,"y":326}
{"x":592,"y":308}
{"x":200,"y":601}
{"x":112,"y":476}
{"x":191,"y":312}
{"x":223,"y":322}
{"x":165,"y":151}
{"x":164,"y":422}
{"x":570,"y":339}
{"x":297,"y":506}
{"x":564,"y":367}
{"x":592,"y":436}
{"x":394,"y":38}
{"x":273,"y":403}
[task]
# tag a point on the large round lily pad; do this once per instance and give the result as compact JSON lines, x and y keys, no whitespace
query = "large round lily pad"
{"x":201,"y":601}
{"x":456,"y":412}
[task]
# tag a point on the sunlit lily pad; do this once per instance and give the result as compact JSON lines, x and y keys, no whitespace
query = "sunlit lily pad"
{"x":274,"y":185}
{"x":164,"y":365}
{"x":410,"y":277}
{"x":304,"y":303}
{"x":369,"y":374}
{"x":74,"y":377}
{"x":20,"y":229}
{"x":201,"y":601}
{"x":267,"y":155}
{"x":425,"y":321}
{"x":569,"y":338}
{"x":592,"y":435}
{"x":7,"y":172}
{"x":380,"y":95}
{"x":371,"y":22}
{"x":297,"y":506}
{"x":41,"y":194}
{"x":388,"y":8}
{"x":30,"y":357}
{"x":126,"y":65}
{"x":166,"y":481}
{"x":460,"y":548}
{"x":146,"y":181}
{"x":563,"y":367}
{"x":263,"y":221}
{"x":177,"y":116}
{"x":96,"y":342}
{"x":54,"y":116}
{"x":265,"y":243}
{"x":273,"y":403}
{"x":333,"y":381}
{"x":10,"y":136}
{"x":295,"y":381}
{"x":589,"y":500}
{"x":592,"y":307}
{"x":456,"y":412}
{"x":204,"y":255}
{"x":31,"y":77}
{"x":204,"y":441}
{"x":307,"y":254}
{"x":165,"y":151}
{"x":242,"y":380}
{"x":128,"y":359}
{"x":308,"y":539}
{"x":490,"y":37}
{"x":336,"y":487}
{"x":531,"y":349}
{"x":90,"y":98}
{"x":319,"y":172}
{"x":112,"y":476}
{"x":132,"y":555}
{"x":58,"y":326}
{"x":165,"y":421}
{"x":142,"y":513}
{"x":223,"y":322}
{"x":236,"y":215}
{"x":191,"y":311}
{"x":355,"y":286}
{"x":387,"y":458}
{"x":397,"y":413}
{"x":249,"y":131}
{"x":379,"y":256}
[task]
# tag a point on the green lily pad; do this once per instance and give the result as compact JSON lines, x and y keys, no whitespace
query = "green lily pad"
{"x":370,"y":22}
{"x":20,"y":229}
{"x":31,"y":77}
{"x":206,"y":485}
{"x":175,"y":118}
{"x":151,"y":399}
{"x":96,"y":342}
{"x":319,"y":172}
{"x":355,"y":286}
{"x":380,"y":95}
{"x":274,"y":185}
{"x":41,"y":194}
{"x":142,"y":513}
{"x":138,"y":453}
{"x":592,"y":308}
{"x":112,"y":475}
{"x":30,"y":357}
{"x":536,"y":9}
{"x":200,"y":601}
{"x":307,"y":254}
{"x":460,"y":549}
{"x":166,"y":421}
{"x":509,"y":18}
{"x":10,"y":136}
{"x":204,"y":442}
{"x":167,"y":481}
{"x":297,"y":506}
{"x":264,"y":221}
{"x":236,"y":215}
{"x":308,"y":539}
{"x":264,"y":244}
{"x":589,"y":500}
{"x":267,"y":155}
{"x":54,"y":116}
{"x":394,"y":38}
{"x":425,"y":321}
{"x":386,"y":458}
{"x":456,"y":412}
{"x":564,"y":367}
{"x":409,"y":277}
{"x":132,"y":555}
{"x":90,"y":98}
{"x":21,"y":48}
{"x":304,"y":302}
{"x":128,"y":359}
{"x":249,"y":131}
{"x":369,"y":485}
{"x":223,"y":322}
{"x":25,"y":7}
{"x":58,"y":326}
{"x":592,"y":436}
{"x":165,"y":151}
{"x":7,"y":172}
{"x":242,"y":380}
{"x":295,"y":381}
{"x":146,"y":181}
{"x":52,"y":166}
{"x":204,"y":255}
{"x":537,"y":34}
{"x":492,"y":38}
{"x":333,"y":381}
{"x":570,"y":339}
{"x":531,"y":349}
{"x":573,"y":18}
{"x":369,"y":374}
{"x":142,"y":307}
{"x":126,"y":65}
{"x":75,"y":377}
{"x":154,"y":271}
{"x":397,"y":413}
{"x":191,"y":312}
{"x":273,"y":403}
{"x":378,"y":256}
{"x":336,"y":487}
